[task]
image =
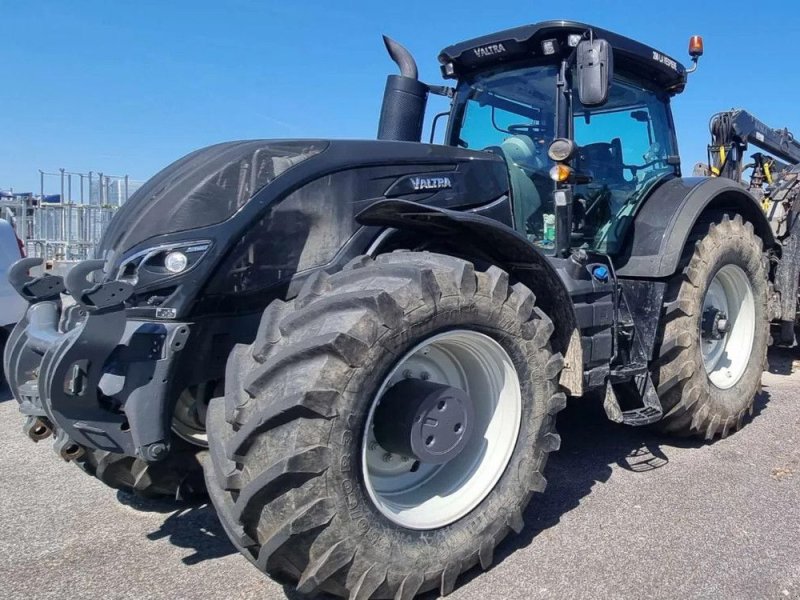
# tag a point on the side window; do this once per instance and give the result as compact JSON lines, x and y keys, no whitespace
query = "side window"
{"x":625,"y":148}
{"x":486,"y":125}
{"x":511,"y":113}
{"x":629,"y":126}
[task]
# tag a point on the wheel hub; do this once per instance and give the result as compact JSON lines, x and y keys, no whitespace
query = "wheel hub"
{"x":715,"y":324}
{"x":421,"y":486}
{"x":424,"y":421}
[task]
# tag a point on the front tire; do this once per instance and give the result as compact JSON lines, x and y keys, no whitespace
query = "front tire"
{"x":292,"y":481}
{"x":707,"y":379}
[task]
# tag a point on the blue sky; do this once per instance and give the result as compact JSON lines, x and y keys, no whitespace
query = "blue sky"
{"x":129,"y":86}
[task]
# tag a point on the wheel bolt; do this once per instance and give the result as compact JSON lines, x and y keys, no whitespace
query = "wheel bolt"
{"x":373,"y":445}
{"x":387,"y":457}
{"x":408,"y":374}
{"x":425,"y":376}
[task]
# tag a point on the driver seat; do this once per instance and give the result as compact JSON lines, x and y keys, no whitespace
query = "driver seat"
{"x":520,"y":150}
{"x":604,"y":161}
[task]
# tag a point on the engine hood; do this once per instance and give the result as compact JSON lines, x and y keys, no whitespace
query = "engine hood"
{"x":203,"y":188}
{"x":252,"y":215}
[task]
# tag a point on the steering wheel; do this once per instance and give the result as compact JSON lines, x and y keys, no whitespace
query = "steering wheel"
{"x":634,"y":168}
{"x":529,"y":130}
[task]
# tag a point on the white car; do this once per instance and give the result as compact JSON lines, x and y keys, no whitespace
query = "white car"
{"x":12,"y":305}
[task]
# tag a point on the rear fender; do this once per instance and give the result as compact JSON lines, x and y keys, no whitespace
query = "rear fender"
{"x":481,"y":235}
{"x":662,"y":225}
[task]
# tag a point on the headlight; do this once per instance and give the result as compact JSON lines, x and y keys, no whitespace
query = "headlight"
{"x":176,"y":262}
{"x":161,"y":262}
{"x":561,"y":150}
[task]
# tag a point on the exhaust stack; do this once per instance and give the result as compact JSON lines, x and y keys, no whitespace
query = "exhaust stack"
{"x":404,"y":98}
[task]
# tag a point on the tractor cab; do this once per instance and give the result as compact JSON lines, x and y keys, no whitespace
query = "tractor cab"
{"x":582,"y":118}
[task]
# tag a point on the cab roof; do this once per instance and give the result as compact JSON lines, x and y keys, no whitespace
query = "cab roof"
{"x":512,"y":45}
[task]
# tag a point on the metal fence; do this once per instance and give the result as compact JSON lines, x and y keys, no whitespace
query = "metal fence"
{"x":63,"y":232}
{"x":64,"y":222}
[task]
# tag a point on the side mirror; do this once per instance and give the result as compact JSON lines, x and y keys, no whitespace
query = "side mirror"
{"x":595,"y":61}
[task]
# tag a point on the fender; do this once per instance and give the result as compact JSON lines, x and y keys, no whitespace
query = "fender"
{"x":662,"y":225}
{"x":509,"y":250}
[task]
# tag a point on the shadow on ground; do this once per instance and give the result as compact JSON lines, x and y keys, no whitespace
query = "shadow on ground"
{"x":196,"y":528}
{"x":591,"y":446}
{"x":156,"y":505}
{"x":781,"y":360}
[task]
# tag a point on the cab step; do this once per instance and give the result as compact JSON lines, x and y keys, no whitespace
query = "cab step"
{"x":650,"y":411}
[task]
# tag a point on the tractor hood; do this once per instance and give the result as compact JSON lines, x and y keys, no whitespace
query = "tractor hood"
{"x":203,"y":188}
{"x":251,"y":215}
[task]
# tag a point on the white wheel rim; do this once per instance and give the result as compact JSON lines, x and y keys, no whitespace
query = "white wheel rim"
{"x":434,"y":496}
{"x":185,"y":424}
{"x":726,"y":359}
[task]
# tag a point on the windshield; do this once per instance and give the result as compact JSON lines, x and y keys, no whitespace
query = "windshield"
{"x":625,"y":147}
{"x":512,"y":113}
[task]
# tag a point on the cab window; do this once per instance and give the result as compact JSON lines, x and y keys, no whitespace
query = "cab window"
{"x":625,"y":148}
{"x":511,"y":113}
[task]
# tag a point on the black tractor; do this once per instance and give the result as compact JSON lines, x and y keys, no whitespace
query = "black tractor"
{"x":365,"y":344}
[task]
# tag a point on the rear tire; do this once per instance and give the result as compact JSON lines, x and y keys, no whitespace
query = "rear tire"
{"x":286,"y":472}
{"x":713,"y":395}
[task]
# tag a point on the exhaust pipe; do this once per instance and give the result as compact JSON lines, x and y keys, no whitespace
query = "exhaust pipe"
{"x":400,"y":55}
{"x":404,"y":98}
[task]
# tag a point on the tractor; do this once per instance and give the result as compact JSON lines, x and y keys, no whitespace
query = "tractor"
{"x":358,"y":349}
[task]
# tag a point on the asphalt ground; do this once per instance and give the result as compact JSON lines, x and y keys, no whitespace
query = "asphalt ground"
{"x":627,"y":514}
